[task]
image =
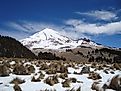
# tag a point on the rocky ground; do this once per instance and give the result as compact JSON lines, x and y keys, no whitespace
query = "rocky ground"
{"x":44,"y":75}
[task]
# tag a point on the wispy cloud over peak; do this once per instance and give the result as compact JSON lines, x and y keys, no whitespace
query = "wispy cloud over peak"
{"x":17,"y":26}
{"x":100,"y":15}
{"x":90,"y":28}
{"x":30,"y":27}
{"x":74,"y":22}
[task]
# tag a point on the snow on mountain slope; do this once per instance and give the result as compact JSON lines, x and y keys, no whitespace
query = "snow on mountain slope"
{"x":51,"y":39}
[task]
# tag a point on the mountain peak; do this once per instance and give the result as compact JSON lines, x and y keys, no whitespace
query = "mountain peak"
{"x":44,"y":34}
{"x":48,"y":30}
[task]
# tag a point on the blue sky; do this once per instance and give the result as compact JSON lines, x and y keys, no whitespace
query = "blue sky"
{"x":99,"y":20}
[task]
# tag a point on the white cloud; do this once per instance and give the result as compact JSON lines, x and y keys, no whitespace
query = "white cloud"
{"x":33,"y":27}
{"x":101,"y":15}
{"x":24,"y":29}
{"x":82,"y":27}
{"x":30,"y":27}
{"x":16,"y":35}
{"x":16,"y":26}
{"x":75,"y":28}
{"x":73,"y":34}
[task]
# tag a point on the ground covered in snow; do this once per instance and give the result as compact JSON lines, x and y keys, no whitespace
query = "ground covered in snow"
{"x":41,"y":75}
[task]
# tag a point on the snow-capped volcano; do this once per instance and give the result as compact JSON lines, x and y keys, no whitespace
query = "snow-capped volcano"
{"x":51,"y":39}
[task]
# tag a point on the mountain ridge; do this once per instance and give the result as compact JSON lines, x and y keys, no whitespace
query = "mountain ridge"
{"x":51,"y":39}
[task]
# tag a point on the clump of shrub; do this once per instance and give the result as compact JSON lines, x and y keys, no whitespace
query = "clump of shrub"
{"x":94,"y":76}
{"x":51,"y":71}
{"x":85,"y":70}
{"x":41,"y":76}
{"x":51,"y":80}
{"x":17,"y":81}
{"x":62,"y":69}
{"x":63,"y":75}
{"x":44,"y":66}
{"x":93,"y":65}
{"x":31,"y":69}
{"x":35,"y":79}
{"x":4,"y":70}
{"x":116,"y":66}
{"x":20,"y":70}
{"x":16,"y":87}
{"x":66,"y":83}
{"x":100,"y":67}
{"x":96,"y":86}
{"x":115,"y":83}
